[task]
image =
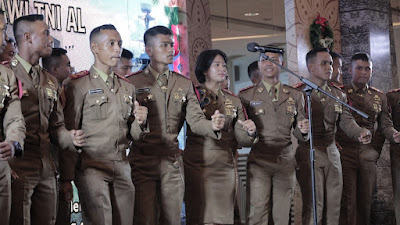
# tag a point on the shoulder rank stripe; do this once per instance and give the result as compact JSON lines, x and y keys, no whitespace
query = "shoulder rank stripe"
{"x":336,"y":85}
{"x":79,"y":74}
{"x":395,"y":90}
{"x":180,"y":75}
{"x":134,"y":73}
{"x":247,"y":88}
{"x":122,"y":77}
{"x":227,"y":91}
{"x":298,"y":85}
{"x":376,"y":89}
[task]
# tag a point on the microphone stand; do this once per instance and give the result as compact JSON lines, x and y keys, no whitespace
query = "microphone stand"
{"x":311,"y":86}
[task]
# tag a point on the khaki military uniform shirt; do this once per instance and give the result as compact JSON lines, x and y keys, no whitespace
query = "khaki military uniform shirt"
{"x":104,"y":113}
{"x":167,"y":112}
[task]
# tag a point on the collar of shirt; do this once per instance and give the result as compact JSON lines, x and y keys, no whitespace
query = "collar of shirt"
{"x":103,"y":75}
{"x":27,"y":66}
{"x":356,"y":88}
{"x":269,"y":86}
{"x":156,"y":74}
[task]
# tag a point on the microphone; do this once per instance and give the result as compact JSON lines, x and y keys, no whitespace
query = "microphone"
{"x":254,"y":47}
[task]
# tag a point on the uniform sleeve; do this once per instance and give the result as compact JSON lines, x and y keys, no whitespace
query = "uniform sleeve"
{"x":13,"y":122}
{"x":385,"y":124}
{"x":67,"y":162}
{"x":58,"y":129}
{"x":196,"y":118}
{"x":347,"y":122}
{"x":299,"y":117}
{"x":137,"y":131}
{"x":241,"y":135}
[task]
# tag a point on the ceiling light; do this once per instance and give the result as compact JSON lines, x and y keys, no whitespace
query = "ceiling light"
{"x":251,"y":14}
{"x":247,"y":37}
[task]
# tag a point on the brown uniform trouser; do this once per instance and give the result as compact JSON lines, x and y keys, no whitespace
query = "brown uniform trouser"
{"x":395,"y":160}
{"x":107,"y":193}
{"x":63,"y":210}
{"x":5,"y":192}
{"x":359,"y":176}
{"x":328,"y":183}
{"x":34,"y":193}
{"x":270,"y":182}
{"x":159,"y":183}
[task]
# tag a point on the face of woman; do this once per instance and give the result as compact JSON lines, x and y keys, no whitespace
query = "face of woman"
{"x":217,"y":71}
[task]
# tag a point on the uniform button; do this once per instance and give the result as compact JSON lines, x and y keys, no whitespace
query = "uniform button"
{"x":97,"y":101}
{"x":36,"y":86}
{"x":103,"y":97}
{"x":112,"y":90}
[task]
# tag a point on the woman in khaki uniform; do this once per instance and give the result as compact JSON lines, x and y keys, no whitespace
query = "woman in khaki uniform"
{"x":209,"y":164}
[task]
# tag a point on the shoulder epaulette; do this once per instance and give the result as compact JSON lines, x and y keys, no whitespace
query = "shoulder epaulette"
{"x":5,"y":62}
{"x":122,"y":77}
{"x":337,"y":85}
{"x":394,"y":90}
{"x":79,"y":74}
{"x":227,"y":91}
{"x":297,"y":85}
{"x":246,"y":88}
{"x":134,"y":73}
{"x":376,"y":89}
{"x":180,"y":75}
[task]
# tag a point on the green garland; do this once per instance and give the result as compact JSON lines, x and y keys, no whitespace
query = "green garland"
{"x":321,"y":34}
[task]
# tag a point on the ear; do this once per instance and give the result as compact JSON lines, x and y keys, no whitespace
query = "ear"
{"x":350,"y":70}
{"x":149,"y":51}
{"x":93,"y":47}
{"x":310,"y":67}
{"x":27,"y":36}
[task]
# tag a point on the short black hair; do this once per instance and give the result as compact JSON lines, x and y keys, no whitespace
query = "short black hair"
{"x":204,"y":61}
{"x":313,"y":53}
{"x":54,"y":58}
{"x":361,"y":56}
{"x":335,"y":55}
{"x":126,"y":54}
{"x":98,"y":29}
{"x":252,"y":67}
{"x":152,"y":32}
{"x":2,"y":12}
{"x":18,"y":28}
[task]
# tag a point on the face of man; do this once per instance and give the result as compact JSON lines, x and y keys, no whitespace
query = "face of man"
{"x":320,"y":67}
{"x":107,"y":48}
{"x":124,"y":66}
{"x":337,"y":70}
{"x":161,"y":49}
{"x":361,"y":72}
{"x":63,"y":69}
{"x":8,"y":53}
{"x":268,"y":69}
{"x":3,"y":27}
{"x":41,"y":41}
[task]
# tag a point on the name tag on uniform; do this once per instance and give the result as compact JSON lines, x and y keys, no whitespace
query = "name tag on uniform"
{"x":142,"y":90}
{"x":96,"y":91}
{"x":255,"y":103}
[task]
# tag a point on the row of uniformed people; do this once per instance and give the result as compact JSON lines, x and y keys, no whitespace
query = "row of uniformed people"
{"x":103,"y":105}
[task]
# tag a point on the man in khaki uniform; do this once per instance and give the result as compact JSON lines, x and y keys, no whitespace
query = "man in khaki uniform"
{"x":34,"y":189}
{"x":102,"y":104}
{"x":326,"y":113}
{"x":59,"y":65}
{"x":358,"y":160}
{"x":12,"y":133}
{"x":393,"y":98}
{"x":275,"y":108}
{"x":157,"y":167}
